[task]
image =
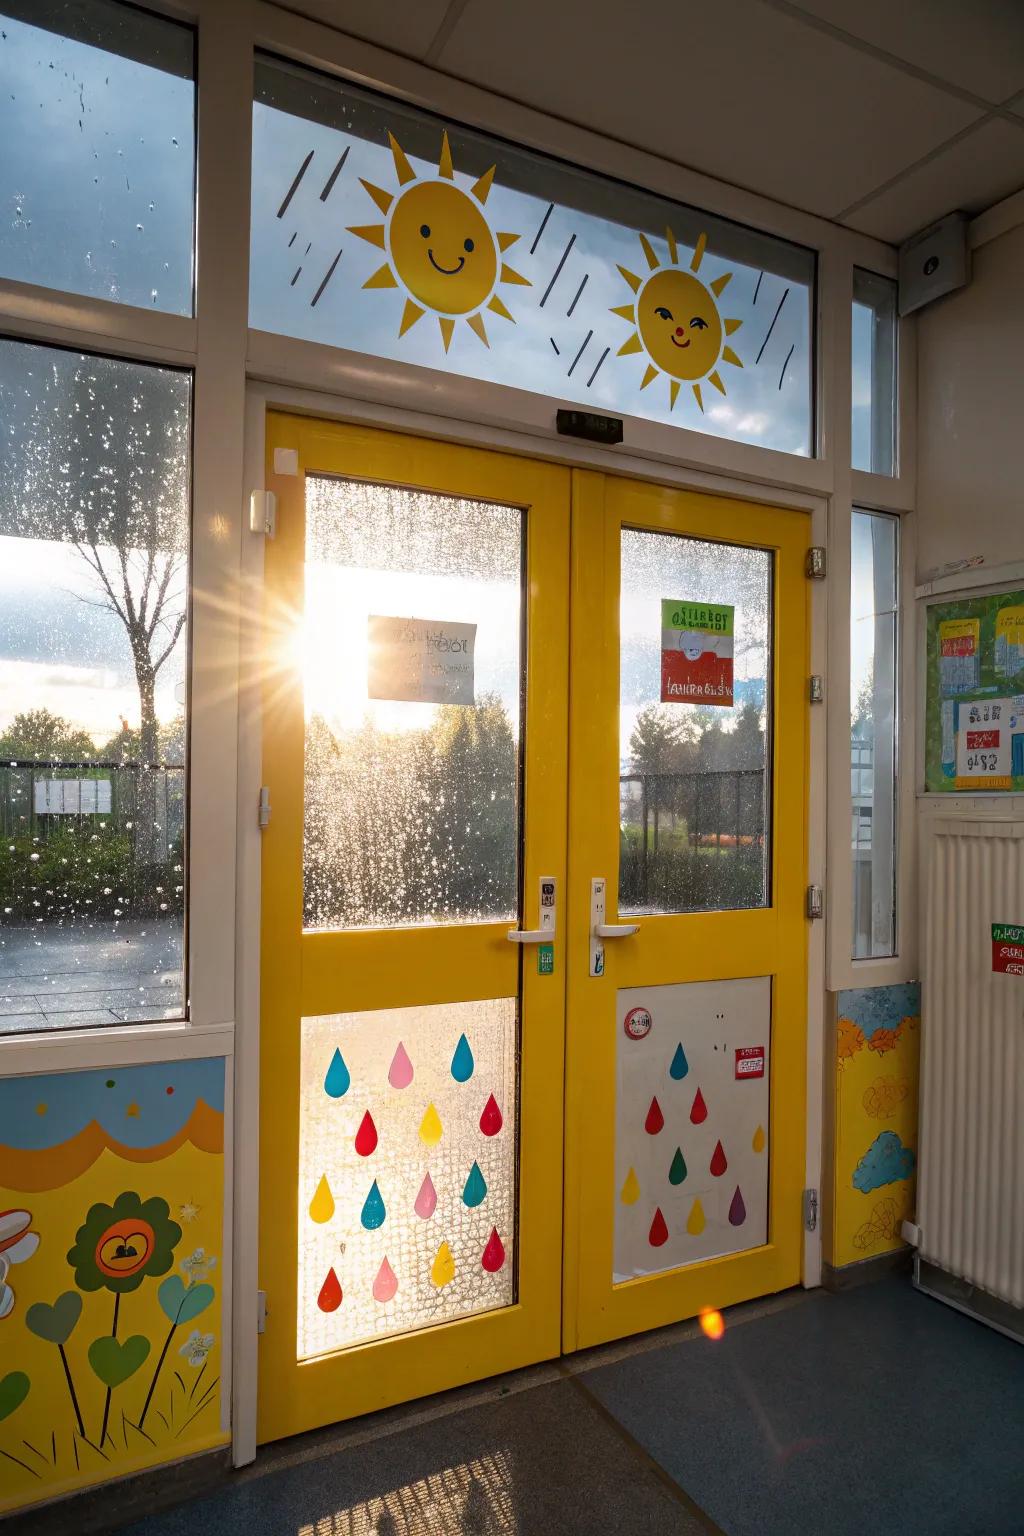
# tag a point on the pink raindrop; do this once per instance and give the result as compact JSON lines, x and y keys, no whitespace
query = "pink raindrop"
{"x":386,"y":1283}
{"x":426,"y":1200}
{"x":400,"y":1073}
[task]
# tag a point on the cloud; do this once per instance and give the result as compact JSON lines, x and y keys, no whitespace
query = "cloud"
{"x":886,"y":1161}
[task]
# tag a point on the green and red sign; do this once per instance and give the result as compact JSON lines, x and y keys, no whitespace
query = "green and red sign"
{"x":696,"y":653}
{"x":1008,"y":949}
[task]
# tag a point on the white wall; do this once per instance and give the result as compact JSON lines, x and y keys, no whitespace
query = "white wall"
{"x":971,"y":414}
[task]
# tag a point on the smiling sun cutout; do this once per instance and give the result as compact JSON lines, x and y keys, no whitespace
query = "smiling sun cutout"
{"x":439,"y":246}
{"x":678,"y":325}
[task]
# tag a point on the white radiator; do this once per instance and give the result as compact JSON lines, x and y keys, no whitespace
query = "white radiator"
{"x":971,"y":1172}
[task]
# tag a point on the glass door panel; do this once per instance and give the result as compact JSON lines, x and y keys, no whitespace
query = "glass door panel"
{"x":694,"y":722}
{"x":412,"y":1043}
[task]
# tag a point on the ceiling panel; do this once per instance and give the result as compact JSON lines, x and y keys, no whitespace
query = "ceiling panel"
{"x":736,"y":89}
{"x":975,"y":44}
{"x":983,"y":168}
{"x":404,"y":26}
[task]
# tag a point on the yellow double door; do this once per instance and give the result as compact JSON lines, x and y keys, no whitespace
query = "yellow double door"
{"x":533,"y":941}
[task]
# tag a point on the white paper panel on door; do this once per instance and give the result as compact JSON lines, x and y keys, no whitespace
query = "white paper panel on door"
{"x":691,"y":1123}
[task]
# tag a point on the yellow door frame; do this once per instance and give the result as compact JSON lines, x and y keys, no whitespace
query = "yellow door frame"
{"x":326,"y":972}
{"x":671,"y":949}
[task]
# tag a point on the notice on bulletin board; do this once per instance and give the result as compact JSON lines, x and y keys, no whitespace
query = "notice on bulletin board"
{"x":696,"y":653}
{"x":974,"y":714}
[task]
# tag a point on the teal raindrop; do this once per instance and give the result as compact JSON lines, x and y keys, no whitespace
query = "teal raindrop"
{"x":337,"y":1081}
{"x":680,"y":1066}
{"x":373,"y":1212}
{"x":476,"y":1187}
{"x":462,"y":1061}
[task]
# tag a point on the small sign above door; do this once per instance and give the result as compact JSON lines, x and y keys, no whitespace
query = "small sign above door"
{"x":696,"y":653}
{"x":420,"y":661}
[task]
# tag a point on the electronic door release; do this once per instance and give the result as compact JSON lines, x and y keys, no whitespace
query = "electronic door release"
{"x":590,"y":426}
{"x":547,"y":905}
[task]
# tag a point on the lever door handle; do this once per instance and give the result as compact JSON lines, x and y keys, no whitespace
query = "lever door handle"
{"x":615,"y":930}
{"x":531,"y":935}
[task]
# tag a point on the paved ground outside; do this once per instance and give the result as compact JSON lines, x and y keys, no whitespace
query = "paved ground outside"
{"x":78,"y":976}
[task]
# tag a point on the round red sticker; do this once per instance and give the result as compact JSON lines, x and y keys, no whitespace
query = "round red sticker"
{"x":637,"y":1023}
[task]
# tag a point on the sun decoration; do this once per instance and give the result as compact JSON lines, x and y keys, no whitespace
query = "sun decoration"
{"x":678,"y":324}
{"x":440,"y":247}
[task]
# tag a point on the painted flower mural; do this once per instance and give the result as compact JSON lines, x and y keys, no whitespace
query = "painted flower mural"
{"x":112,"y":1303}
{"x":120,"y":1244}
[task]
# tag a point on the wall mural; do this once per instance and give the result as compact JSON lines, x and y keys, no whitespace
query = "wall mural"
{"x":352,"y":194}
{"x":877,"y":1045}
{"x":111,"y":1229}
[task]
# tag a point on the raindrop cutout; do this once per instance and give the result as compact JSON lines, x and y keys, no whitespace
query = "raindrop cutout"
{"x":338,"y":1080}
{"x":462,"y":1061}
{"x":373,"y":1212}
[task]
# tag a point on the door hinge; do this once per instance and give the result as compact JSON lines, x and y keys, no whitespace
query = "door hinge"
{"x":816,"y":688}
{"x":816,"y":567}
{"x":815,"y":902}
{"x":261,"y":1311}
{"x":810,"y":1210}
{"x":264,"y":812}
{"x":263,"y":513}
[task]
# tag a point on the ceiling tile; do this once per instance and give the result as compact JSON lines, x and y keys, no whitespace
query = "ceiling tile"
{"x":404,"y":26}
{"x":978,"y":46}
{"x":736,"y":89}
{"x":983,"y":168}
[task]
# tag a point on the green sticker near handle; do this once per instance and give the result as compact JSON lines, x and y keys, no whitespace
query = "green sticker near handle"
{"x":545,"y":959}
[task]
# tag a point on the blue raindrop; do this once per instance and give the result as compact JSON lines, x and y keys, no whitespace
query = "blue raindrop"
{"x":462,"y":1061}
{"x":476,"y":1187}
{"x":373,"y":1212}
{"x":680,"y":1066}
{"x":338,"y":1079}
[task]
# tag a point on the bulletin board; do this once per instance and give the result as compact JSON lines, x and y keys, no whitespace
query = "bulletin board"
{"x":974,"y":700}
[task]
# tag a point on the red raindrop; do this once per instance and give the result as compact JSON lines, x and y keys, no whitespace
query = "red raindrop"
{"x":366,"y":1136}
{"x":655,"y":1119}
{"x":698,"y":1110}
{"x":718,"y":1160}
{"x":659,"y":1232}
{"x":493,"y":1256}
{"x":737,"y":1210}
{"x":329,"y":1299}
{"x":491,"y":1123}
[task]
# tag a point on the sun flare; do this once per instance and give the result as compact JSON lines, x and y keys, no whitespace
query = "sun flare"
{"x":440,"y":248}
{"x":678,"y":324}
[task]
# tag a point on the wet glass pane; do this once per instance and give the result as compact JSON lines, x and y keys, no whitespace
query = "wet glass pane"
{"x":97,"y":108}
{"x":412,"y":675}
{"x":407,"y":1170}
{"x":694,"y":718}
{"x":874,"y":612}
{"x":873,"y":341}
{"x":94,"y":524}
{"x":454,"y":251}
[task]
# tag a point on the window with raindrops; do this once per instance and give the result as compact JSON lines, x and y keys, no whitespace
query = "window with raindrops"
{"x":94,"y":547}
{"x":97,"y":123}
{"x":379,"y":229}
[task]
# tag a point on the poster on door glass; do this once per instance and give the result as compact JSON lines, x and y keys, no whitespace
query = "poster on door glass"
{"x":696,"y":653}
{"x":420,"y":661}
{"x":691,"y":1123}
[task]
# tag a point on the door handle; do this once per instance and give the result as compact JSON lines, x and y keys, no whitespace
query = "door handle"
{"x":531,"y":935}
{"x":547,"y":902}
{"x":615,"y":930}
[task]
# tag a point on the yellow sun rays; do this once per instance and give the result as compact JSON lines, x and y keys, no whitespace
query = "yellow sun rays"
{"x":459,"y":283}
{"x":704,"y":331}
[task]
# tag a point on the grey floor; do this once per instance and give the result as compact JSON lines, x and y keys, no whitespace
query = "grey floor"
{"x":874,"y":1411}
{"x":69,"y":977}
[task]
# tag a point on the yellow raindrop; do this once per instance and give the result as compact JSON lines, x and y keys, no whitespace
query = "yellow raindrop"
{"x":443,"y":1268}
{"x":431,"y":1129}
{"x":758,"y":1141}
{"x":321,"y":1207}
{"x":631,"y":1189}
{"x":695,"y":1220}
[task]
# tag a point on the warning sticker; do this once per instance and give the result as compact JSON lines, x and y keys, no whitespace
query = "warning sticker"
{"x":750,"y":1061}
